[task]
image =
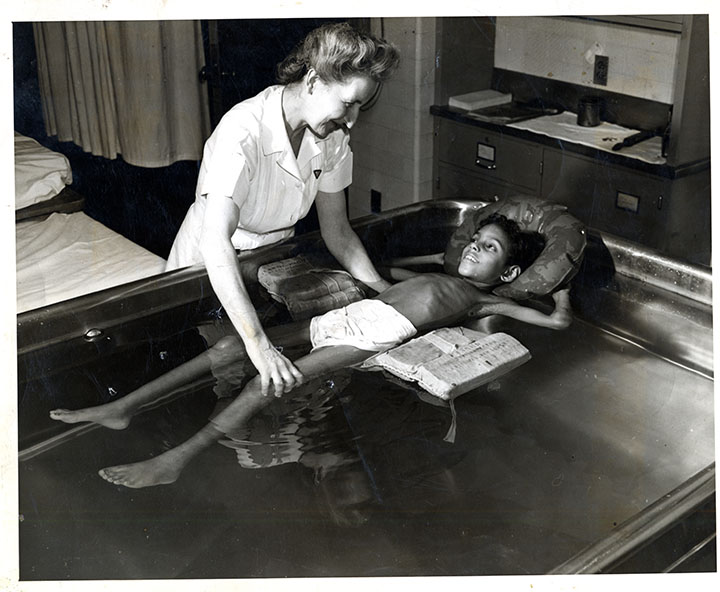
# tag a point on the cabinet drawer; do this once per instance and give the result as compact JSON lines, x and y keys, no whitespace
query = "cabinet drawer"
{"x":495,"y":156}
{"x":453,"y":182}
{"x":607,"y":197}
{"x":569,"y":181}
{"x":632,"y":206}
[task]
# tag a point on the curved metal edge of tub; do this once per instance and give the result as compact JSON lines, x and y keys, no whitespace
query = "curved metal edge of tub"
{"x":644,"y":527}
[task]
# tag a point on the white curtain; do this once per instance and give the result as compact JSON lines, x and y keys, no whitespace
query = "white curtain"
{"x":129,"y":88}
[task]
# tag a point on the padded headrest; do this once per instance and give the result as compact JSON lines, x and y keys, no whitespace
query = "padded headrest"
{"x":558,"y":262}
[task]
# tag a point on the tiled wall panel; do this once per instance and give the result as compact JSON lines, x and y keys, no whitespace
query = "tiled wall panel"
{"x":392,"y":142}
{"x":641,"y":61}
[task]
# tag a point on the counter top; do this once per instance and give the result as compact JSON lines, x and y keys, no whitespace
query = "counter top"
{"x":561,"y":131}
{"x":604,"y":136}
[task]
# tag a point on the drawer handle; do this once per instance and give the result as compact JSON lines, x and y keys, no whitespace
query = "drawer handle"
{"x":491,"y":167}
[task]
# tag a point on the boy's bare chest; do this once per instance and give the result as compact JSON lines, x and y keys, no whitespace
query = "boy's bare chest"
{"x":431,"y":297}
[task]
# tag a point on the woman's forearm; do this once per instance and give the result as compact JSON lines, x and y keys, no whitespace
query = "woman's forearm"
{"x":397,"y":274}
{"x":351,"y":254}
{"x":221,"y":263}
{"x":433,"y":259}
{"x":226,"y":279}
{"x":342,"y":241}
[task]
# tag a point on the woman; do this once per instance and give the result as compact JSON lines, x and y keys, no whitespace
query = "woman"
{"x":268,"y":159}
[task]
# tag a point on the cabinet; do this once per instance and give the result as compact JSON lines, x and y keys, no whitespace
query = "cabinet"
{"x":608,"y":197}
{"x":455,"y":182}
{"x":668,"y":213}
{"x":667,"y":208}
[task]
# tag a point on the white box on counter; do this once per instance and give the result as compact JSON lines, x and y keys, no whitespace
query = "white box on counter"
{"x":480,"y":99}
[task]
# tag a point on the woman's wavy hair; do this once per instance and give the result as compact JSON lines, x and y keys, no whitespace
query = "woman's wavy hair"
{"x":337,"y":51}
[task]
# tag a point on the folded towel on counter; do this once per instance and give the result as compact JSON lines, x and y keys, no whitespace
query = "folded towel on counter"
{"x":307,"y":290}
{"x":563,"y":126}
{"x":451,"y":361}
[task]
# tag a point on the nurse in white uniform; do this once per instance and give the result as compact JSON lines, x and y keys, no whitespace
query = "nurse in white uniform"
{"x":268,"y":159}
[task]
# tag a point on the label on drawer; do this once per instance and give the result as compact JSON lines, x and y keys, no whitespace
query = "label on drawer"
{"x":486,"y":151}
{"x":628,"y":202}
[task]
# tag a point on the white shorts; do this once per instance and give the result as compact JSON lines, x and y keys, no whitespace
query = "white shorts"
{"x":370,"y":325}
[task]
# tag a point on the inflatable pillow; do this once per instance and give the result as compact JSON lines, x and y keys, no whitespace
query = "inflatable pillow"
{"x":558,"y":262}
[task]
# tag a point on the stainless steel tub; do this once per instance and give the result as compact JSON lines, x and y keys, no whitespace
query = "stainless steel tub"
{"x":596,"y":456}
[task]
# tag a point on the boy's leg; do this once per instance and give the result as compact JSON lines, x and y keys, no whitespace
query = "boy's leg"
{"x":117,"y":414}
{"x":166,"y":467}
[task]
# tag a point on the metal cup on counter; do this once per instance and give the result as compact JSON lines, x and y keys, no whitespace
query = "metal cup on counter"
{"x":589,"y":109}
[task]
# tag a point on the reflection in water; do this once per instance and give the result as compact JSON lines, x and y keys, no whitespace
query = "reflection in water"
{"x":309,"y":428}
{"x":342,"y":427}
{"x":295,"y":430}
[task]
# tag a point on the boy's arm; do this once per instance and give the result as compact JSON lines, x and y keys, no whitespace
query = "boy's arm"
{"x":560,"y":318}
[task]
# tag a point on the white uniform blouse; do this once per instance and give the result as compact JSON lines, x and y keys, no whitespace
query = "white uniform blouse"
{"x":249,"y":159}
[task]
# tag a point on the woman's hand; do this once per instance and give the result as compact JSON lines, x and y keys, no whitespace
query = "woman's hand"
{"x":273,"y":367}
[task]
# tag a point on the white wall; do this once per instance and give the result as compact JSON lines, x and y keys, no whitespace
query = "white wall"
{"x":392,"y":142}
{"x":641,"y":62}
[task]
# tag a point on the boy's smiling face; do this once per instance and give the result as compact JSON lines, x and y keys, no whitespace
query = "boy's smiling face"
{"x":484,"y":259}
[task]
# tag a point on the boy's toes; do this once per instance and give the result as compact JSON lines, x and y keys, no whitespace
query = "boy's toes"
{"x":109,"y":475}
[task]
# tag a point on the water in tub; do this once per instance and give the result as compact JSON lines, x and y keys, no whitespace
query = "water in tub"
{"x":352,"y":477}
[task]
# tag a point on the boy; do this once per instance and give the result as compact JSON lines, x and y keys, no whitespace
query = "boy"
{"x":497,"y":253}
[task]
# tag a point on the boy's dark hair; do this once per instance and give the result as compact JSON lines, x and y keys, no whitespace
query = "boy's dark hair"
{"x":524,"y":247}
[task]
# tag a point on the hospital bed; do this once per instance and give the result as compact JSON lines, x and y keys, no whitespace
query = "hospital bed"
{"x":61,"y":252}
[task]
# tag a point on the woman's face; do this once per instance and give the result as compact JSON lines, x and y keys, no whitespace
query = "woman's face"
{"x":336,"y":105}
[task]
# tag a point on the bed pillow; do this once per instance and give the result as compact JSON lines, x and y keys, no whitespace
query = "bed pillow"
{"x":40,"y":173}
{"x":556,"y":265}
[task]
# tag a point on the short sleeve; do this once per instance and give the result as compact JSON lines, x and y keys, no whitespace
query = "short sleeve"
{"x":222,"y":174}
{"x":226,"y":158}
{"x":338,"y":163}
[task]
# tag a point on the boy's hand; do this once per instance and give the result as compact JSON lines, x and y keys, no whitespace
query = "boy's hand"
{"x":562,"y":298}
{"x":562,"y":316}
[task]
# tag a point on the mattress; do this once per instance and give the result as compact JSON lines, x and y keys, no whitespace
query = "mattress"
{"x":68,"y":255}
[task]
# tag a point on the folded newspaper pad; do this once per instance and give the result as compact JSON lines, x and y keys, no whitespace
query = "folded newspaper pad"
{"x":451,"y":361}
{"x":306,"y":288}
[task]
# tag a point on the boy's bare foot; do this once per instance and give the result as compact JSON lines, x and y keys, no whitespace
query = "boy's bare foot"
{"x":99,"y":415}
{"x":155,"y":471}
